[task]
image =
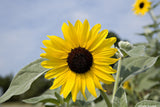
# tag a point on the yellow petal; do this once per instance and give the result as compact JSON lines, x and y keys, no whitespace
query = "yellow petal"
{"x":69,"y":84}
{"x":43,"y":55}
{"x":53,"y":63}
{"x":73,"y":35}
{"x":105,"y":69}
{"x":93,"y":35}
{"x":106,"y":52}
{"x":47,"y":43}
{"x":62,"y":88}
{"x":97,"y":83}
{"x":107,"y":43}
{"x":78,"y":27}
{"x":60,"y":80}
{"x":99,"y":40}
{"x":85,"y":34}
{"x":76,"y":87}
{"x":105,"y":61}
{"x":55,"y":53}
{"x":104,"y":81}
{"x":94,"y":31}
{"x":103,"y":75}
{"x":60,"y":44}
{"x":47,"y":64}
{"x":83,"y":85}
{"x":57,"y":71}
{"x":90,"y":84}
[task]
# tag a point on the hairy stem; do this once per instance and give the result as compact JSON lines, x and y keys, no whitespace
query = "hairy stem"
{"x":104,"y":95}
{"x":117,"y":78}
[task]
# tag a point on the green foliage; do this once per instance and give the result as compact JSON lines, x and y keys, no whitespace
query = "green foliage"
{"x":148,"y":103}
{"x":155,"y":5}
{"x":48,"y":96}
{"x":132,"y":66}
{"x":23,"y":80}
{"x":52,"y":96}
{"x":145,"y":81}
{"x":5,"y":82}
{"x":120,"y":99}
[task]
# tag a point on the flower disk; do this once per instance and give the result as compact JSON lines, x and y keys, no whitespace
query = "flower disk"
{"x":82,"y":59}
{"x":141,"y":7}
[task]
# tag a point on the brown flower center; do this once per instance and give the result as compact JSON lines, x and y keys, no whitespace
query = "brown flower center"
{"x":80,"y":60}
{"x":141,"y":5}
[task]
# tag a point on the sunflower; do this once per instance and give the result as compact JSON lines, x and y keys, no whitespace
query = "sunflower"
{"x":141,"y":7}
{"x":80,"y":60}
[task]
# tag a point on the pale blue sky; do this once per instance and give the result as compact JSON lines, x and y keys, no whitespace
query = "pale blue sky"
{"x":24,"y":24}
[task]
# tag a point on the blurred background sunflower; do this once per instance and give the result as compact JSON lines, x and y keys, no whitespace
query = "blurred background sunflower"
{"x":141,"y":7}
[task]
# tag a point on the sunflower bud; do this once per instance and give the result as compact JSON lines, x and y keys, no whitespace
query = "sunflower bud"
{"x":125,"y":45}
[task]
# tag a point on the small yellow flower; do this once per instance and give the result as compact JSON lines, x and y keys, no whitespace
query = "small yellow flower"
{"x":141,"y":7}
{"x":127,"y":85}
{"x":80,"y":60}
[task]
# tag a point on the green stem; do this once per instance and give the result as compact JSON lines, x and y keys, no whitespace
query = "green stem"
{"x":153,"y":16}
{"x":104,"y":95}
{"x":155,"y":21}
{"x":117,"y":78}
{"x":68,"y":104}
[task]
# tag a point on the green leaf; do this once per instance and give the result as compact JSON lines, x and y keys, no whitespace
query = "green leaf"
{"x":145,"y":80}
{"x":157,"y":64}
{"x":137,"y":51}
{"x":155,"y":5}
{"x":149,"y":33}
{"x":152,"y":25}
{"x":90,"y":98}
{"x":68,"y":98}
{"x":120,"y":99}
{"x":158,"y":16}
{"x":148,"y":103}
{"x":59,"y":98}
{"x":134,"y":65}
{"x":23,"y":80}
{"x":47,"y":97}
{"x":100,"y":104}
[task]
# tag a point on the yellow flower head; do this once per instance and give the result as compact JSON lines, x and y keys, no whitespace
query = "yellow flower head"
{"x":80,"y":60}
{"x":127,"y":85}
{"x":141,"y":7}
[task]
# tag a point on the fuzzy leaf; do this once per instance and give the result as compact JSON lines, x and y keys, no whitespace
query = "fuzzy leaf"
{"x":47,"y":97}
{"x":100,"y":104}
{"x":146,"y":79}
{"x":120,"y":99}
{"x":134,"y":65}
{"x":137,"y":51}
{"x":23,"y":80}
{"x":148,"y":103}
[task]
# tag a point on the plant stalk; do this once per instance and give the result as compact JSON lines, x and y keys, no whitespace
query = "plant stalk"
{"x":104,"y":95}
{"x":68,"y":104}
{"x":117,"y":78}
{"x":155,"y":21}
